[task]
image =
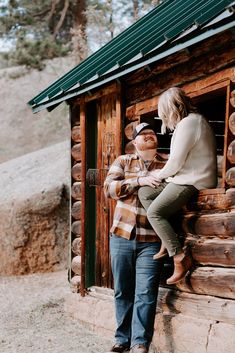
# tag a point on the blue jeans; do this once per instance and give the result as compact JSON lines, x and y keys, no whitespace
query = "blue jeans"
{"x":136,"y":280}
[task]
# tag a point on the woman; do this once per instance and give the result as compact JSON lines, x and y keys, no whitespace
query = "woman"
{"x":191,"y":166}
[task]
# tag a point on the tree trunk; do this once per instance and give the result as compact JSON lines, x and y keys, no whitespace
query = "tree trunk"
{"x":135,"y":10}
{"x":79,"y":31}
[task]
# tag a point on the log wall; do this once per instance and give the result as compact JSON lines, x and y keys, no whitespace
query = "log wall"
{"x":76,"y":195}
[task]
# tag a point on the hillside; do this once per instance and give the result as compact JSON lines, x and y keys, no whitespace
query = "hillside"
{"x":22,"y":131}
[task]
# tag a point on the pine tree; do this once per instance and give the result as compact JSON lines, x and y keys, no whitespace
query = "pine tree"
{"x":40,"y":29}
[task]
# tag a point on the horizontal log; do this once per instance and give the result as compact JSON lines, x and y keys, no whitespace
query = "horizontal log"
{"x":77,"y":171}
{"x":217,"y":224}
{"x":199,"y":306}
{"x":75,"y":284}
{"x":216,"y":201}
{"x":232,"y":123}
{"x":130,"y":148}
{"x":76,"y":228}
{"x":180,"y":58}
{"x":215,"y":252}
{"x":131,"y":114}
{"x":219,"y":282}
{"x":76,"y":265}
{"x":76,"y":190}
{"x":76,"y":152}
{"x":231,"y":152}
{"x":76,"y":210}
{"x":232,"y":101}
{"x":129,"y":129}
{"x":230,"y":176}
{"x":156,"y":84}
{"x":76,"y":246}
{"x":76,"y":133}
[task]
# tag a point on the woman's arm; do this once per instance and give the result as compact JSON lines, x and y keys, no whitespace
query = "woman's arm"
{"x":185,"y":136}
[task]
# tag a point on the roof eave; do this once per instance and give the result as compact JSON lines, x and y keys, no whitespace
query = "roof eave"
{"x":122,"y":71}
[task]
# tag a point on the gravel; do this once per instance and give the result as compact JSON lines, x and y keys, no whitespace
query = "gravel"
{"x":33,"y":318}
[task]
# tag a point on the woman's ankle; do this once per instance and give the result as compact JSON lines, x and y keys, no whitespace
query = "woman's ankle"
{"x":179,"y":256}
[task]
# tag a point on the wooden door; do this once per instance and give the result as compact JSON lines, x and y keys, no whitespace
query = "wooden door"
{"x":108,"y":148}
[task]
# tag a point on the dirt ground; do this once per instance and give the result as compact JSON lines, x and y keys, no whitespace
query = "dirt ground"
{"x":33,"y":320}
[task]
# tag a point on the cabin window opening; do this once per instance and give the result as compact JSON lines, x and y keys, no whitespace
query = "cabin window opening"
{"x":213,"y":107}
{"x":214,"y":110}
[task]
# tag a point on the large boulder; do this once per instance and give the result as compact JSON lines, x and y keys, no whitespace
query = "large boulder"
{"x":34,"y":211}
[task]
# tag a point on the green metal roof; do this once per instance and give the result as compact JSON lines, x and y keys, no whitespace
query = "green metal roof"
{"x":168,"y":28}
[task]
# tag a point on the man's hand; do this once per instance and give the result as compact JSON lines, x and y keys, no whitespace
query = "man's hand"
{"x":148,"y":181}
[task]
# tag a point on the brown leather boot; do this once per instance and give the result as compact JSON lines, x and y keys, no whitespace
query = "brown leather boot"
{"x":182,"y":265}
{"x":161,"y":254}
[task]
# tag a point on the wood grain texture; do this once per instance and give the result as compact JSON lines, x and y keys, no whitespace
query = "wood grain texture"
{"x":218,"y":282}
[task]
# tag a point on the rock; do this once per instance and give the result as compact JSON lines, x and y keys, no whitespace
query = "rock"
{"x":34,"y":211}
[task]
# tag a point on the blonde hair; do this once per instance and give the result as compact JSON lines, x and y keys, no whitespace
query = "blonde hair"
{"x":173,"y":106}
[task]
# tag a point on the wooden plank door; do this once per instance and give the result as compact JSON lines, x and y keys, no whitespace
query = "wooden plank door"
{"x":108,"y":148}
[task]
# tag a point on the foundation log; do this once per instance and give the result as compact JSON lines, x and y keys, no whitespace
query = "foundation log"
{"x":76,"y":228}
{"x":75,"y":284}
{"x":76,"y":265}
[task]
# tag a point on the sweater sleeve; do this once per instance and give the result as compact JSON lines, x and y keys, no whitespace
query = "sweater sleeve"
{"x":185,"y":136}
{"x":116,"y":186}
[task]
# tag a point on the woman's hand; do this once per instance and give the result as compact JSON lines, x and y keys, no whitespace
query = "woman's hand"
{"x":149,"y":181}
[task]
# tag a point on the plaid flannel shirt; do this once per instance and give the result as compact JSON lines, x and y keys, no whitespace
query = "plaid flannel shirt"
{"x":122,"y":185}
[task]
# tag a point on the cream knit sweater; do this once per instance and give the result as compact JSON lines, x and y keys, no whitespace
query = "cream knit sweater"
{"x":192,"y":159}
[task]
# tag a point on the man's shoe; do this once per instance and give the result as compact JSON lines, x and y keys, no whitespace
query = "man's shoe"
{"x":139,"y":348}
{"x":119,"y":348}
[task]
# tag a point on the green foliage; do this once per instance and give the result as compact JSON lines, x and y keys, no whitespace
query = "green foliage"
{"x":33,"y":26}
{"x":33,"y":53}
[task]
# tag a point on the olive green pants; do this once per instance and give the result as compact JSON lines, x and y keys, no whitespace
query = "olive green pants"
{"x":161,"y":203}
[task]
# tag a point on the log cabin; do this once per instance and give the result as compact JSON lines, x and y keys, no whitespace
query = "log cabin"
{"x":185,"y":43}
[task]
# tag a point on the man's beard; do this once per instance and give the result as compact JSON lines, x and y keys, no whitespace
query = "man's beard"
{"x":147,"y":145}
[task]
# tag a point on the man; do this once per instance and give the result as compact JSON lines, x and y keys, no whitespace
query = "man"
{"x":133,"y":244}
